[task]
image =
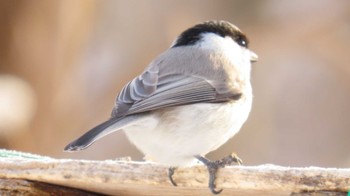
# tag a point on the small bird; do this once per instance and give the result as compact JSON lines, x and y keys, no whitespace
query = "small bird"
{"x":188,"y":101}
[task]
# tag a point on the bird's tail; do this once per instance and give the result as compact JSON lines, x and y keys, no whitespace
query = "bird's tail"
{"x":101,"y":130}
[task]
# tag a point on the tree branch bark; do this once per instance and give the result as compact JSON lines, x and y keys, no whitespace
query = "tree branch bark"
{"x":140,"y":178}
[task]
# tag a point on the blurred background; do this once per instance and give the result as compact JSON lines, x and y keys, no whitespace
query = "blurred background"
{"x":63,"y":62}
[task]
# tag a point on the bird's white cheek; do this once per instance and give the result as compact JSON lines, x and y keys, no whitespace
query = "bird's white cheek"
{"x":240,"y":60}
{"x":245,"y":65}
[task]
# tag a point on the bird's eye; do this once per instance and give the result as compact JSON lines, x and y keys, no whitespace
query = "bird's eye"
{"x":242,"y":41}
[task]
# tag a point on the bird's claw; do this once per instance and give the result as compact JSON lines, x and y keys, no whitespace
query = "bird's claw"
{"x":213,"y":167}
{"x":171,"y":171}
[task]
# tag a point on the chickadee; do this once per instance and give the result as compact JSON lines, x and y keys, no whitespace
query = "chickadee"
{"x":188,"y":102}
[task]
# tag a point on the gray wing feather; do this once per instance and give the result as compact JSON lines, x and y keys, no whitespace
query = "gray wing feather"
{"x":136,"y":90}
{"x":151,"y":91}
{"x":186,"y":91}
{"x":140,"y":87}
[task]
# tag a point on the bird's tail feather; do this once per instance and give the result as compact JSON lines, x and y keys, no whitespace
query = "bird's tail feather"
{"x":101,"y":130}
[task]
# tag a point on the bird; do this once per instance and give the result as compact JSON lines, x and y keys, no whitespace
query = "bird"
{"x":188,"y":101}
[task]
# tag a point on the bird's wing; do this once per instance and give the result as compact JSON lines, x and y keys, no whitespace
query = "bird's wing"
{"x":155,"y":89}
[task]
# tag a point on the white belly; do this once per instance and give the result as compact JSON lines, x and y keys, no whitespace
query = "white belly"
{"x":174,"y":135}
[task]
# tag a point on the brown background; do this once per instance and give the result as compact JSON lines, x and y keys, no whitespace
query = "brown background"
{"x":63,"y":62}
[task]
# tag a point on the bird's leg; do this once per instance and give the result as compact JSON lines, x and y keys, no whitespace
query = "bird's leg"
{"x":171,"y":171}
{"x":213,"y":167}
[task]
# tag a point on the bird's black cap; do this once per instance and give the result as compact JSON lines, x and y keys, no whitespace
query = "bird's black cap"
{"x":221,"y":28}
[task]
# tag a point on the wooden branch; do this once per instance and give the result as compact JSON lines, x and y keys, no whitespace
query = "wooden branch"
{"x":25,"y":187}
{"x":139,"y":178}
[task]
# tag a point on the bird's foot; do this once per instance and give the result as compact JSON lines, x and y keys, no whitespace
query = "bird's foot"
{"x":213,"y":167}
{"x":171,"y":171}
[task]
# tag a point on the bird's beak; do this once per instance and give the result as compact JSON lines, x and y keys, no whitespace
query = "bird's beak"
{"x":253,"y":57}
